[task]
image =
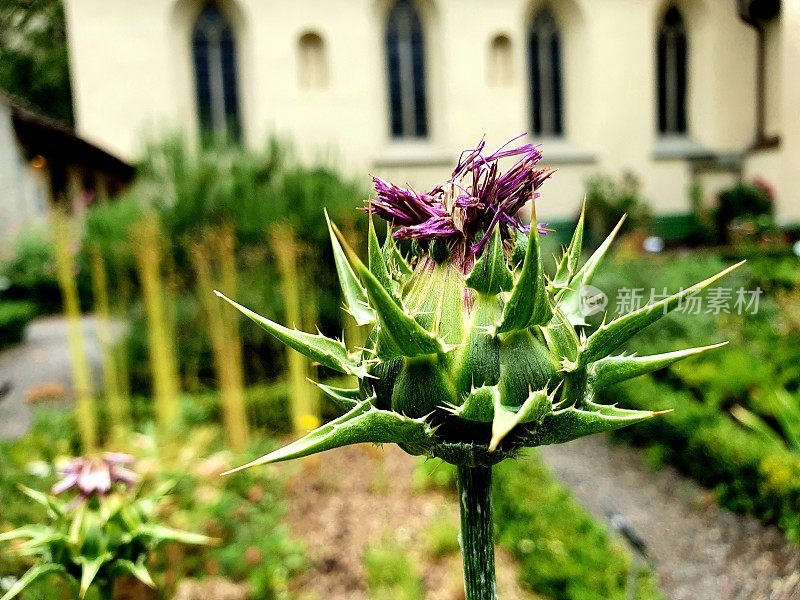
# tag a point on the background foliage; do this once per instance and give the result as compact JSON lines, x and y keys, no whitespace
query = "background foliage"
{"x":33,"y":55}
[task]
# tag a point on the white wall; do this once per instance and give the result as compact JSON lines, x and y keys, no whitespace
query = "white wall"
{"x":132,"y":76}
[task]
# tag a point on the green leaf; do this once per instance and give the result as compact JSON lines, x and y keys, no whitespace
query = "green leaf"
{"x":568,"y":299}
{"x":137,"y":570}
{"x":568,"y":264}
{"x":355,"y":296}
{"x":786,"y":414}
{"x":326,"y":351}
{"x":89,"y":569}
{"x":159,"y":533}
{"x":586,"y":273}
{"x":529,"y":304}
{"x":47,"y":542}
{"x":478,"y":405}
{"x":377,"y":262}
{"x":490,"y":273}
{"x":53,"y":505}
{"x":364,"y":423}
{"x":610,"y":336}
{"x":533,"y":410}
{"x":33,"y":574}
{"x":407,"y":337}
{"x":572,"y":423}
{"x":77,"y":525}
{"x":614,"y":369}
{"x":561,"y":337}
{"x":757,"y":425}
{"x":343,"y":398}
{"x":400,"y":334}
{"x":393,"y":257}
{"x":27,"y":531}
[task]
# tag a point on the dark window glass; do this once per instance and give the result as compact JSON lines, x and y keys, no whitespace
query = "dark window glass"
{"x":405,"y":61}
{"x":544,"y":61}
{"x":214,"y":53}
{"x":672,"y":74}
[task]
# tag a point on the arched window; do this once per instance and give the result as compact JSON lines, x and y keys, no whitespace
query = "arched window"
{"x":500,"y":70}
{"x":405,"y":57}
{"x":672,"y":74}
{"x":312,"y":64}
{"x":214,"y":53}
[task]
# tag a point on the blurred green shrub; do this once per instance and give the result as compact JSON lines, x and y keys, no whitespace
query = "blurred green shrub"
{"x":192,"y":191}
{"x":29,"y":271}
{"x":608,"y":199}
{"x":744,"y":210}
{"x":14,"y":317}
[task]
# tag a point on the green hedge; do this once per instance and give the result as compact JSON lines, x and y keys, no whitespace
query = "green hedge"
{"x":14,"y":317}
{"x":563,"y":552}
{"x":747,"y":473}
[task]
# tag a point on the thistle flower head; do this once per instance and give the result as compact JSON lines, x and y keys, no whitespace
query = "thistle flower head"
{"x":467,"y":208}
{"x":472,"y":354}
{"x":96,"y":475}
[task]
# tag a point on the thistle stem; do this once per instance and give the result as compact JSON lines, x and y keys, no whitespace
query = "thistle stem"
{"x":477,"y":543}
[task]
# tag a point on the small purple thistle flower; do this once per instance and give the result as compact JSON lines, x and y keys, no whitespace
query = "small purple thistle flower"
{"x":476,"y":199}
{"x":96,"y":475}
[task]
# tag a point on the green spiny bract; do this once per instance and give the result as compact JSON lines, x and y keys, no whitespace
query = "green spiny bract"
{"x":474,"y":352}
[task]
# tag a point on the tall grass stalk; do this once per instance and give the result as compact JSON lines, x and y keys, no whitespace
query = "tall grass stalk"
{"x":148,"y":252}
{"x":81,"y":376}
{"x":119,"y":307}
{"x":223,"y":329}
{"x":118,"y":410}
{"x":305,"y":412}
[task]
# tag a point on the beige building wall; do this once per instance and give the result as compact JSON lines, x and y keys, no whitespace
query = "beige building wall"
{"x":132,"y":78}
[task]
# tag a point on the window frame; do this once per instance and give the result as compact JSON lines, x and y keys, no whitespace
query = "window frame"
{"x":214,"y":58}
{"x":672,"y":74}
{"x":545,"y":57}
{"x":406,"y":63}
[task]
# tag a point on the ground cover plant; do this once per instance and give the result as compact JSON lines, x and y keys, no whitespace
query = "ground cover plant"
{"x":466,"y":361}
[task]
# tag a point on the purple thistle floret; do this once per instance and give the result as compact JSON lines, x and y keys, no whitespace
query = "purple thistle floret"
{"x":96,"y":475}
{"x":476,"y":199}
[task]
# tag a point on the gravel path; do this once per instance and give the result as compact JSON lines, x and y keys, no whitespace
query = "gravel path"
{"x":40,"y":368}
{"x":700,"y":551}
